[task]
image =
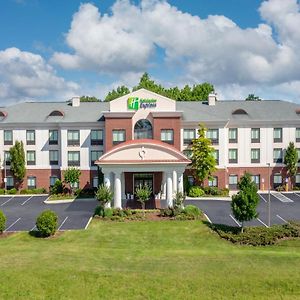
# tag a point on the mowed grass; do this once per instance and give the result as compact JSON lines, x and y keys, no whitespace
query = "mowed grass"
{"x":146,"y":260}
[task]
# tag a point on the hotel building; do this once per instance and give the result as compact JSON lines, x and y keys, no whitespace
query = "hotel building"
{"x":144,"y":138}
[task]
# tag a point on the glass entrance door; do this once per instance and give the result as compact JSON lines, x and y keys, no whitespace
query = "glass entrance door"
{"x":142,"y":180}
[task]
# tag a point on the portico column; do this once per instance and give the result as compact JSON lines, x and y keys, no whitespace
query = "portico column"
{"x":107,"y":184}
{"x":180,"y":182}
{"x":169,"y":189}
{"x":123,"y":185}
{"x":164,"y":185}
{"x":117,"y":191}
{"x":174,"y":181}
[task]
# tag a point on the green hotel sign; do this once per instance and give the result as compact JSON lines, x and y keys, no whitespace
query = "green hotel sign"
{"x":135,"y":103}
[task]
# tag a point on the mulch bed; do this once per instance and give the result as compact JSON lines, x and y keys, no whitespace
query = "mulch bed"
{"x":4,"y":235}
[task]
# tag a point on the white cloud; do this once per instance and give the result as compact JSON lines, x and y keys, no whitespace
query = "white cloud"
{"x":26,"y":76}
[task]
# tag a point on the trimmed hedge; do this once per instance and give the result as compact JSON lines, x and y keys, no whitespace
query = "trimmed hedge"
{"x":33,"y":191}
{"x":2,"y":221}
{"x":190,"y":212}
{"x":46,"y":223}
{"x":257,"y":236}
{"x":117,"y":214}
{"x":196,"y":191}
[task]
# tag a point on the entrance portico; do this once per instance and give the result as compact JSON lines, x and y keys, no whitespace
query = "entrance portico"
{"x":165,"y":162}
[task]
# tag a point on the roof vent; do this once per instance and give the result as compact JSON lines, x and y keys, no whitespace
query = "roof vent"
{"x":56,"y":113}
{"x":239,"y":111}
{"x":212,"y":98}
{"x":76,"y":101}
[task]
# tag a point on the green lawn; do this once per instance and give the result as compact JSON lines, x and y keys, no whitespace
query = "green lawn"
{"x":146,"y":260}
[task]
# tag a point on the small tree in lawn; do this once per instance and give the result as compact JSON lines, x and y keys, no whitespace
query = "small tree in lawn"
{"x":178,"y":200}
{"x":17,"y":161}
{"x":291,"y":161}
{"x":203,"y":160}
{"x":104,"y":195}
{"x":245,"y":202}
{"x":71,"y":176}
{"x":143,"y":194}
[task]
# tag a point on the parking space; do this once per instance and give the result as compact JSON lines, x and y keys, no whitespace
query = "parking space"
{"x":22,"y":211}
{"x":285,"y":207}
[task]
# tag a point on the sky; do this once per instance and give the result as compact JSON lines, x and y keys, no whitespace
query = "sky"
{"x":51,"y":50}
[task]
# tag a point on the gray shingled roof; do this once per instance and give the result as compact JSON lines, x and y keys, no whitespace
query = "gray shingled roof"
{"x":38,"y":112}
{"x":267,"y":110}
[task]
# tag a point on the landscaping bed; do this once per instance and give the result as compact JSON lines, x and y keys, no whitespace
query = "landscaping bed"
{"x":257,"y":236}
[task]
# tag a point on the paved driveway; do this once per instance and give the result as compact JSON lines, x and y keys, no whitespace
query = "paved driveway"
{"x":22,"y":211}
{"x":284,"y":207}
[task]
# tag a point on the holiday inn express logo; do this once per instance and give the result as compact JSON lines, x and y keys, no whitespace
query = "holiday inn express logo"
{"x":135,"y":103}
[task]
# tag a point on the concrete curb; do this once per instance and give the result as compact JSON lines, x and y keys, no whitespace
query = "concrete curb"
{"x":23,"y":195}
{"x":209,"y":198}
{"x":58,"y":201}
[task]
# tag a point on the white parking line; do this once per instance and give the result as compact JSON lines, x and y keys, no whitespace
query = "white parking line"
{"x":297,"y":195}
{"x":12,"y":224}
{"x":63,"y":222}
{"x":259,"y":220}
{"x":282,"y":219}
{"x":7,"y":201}
{"x":33,"y":228}
{"x":235,"y":220}
{"x":26,"y":200}
{"x":90,"y":219}
{"x":261,"y":197}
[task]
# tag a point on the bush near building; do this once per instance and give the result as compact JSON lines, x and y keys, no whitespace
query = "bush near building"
{"x":46,"y":223}
{"x":2,"y":221}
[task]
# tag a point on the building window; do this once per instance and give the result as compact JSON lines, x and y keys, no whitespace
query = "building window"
{"x":298,"y":152}
{"x":31,"y":182}
{"x":233,"y":135}
{"x":30,"y":157}
{"x":73,"y":138}
{"x":188,"y":153}
{"x":277,"y":135}
{"x":95,"y":156}
{"x":233,"y":156}
{"x":95,"y":182}
{"x":119,"y":136}
{"x":191,"y":180}
{"x":255,"y":135}
{"x":277,"y":180}
{"x":256,"y":180}
{"x":297,"y":179}
{"x":255,"y":155}
{"x":213,"y":135}
{"x":233,"y":180}
{"x":30,"y":137}
{"x":188,"y":136}
{"x":167,"y":136}
{"x":53,"y":137}
{"x":277,"y":155}
{"x":216,"y":156}
{"x":53,"y":180}
{"x":8,"y":137}
{"x":143,"y":130}
{"x":9,"y":182}
{"x":73,"y":158}
{"x":53,"y":157}
{"x":7,"y":158}
{"x":213,"y":182}
{"x":96,"y":137}
{"x":297,"y":135}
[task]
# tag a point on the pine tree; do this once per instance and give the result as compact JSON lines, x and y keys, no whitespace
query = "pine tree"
{"x":291,"y":160}
{"x":17,"y":161}
{"x":203,"y":160}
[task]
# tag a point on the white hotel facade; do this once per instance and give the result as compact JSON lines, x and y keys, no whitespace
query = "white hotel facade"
{"x":145,"y":138}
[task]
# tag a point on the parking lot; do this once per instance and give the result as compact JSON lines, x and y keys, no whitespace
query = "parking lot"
{"x":285,"y":207}
{"x":21,"y":212}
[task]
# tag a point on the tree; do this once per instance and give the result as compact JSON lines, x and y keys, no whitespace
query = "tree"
{"x":104,"y":195}
{"x":17,"y":161}
{"x":178,"y":200}
{"x":143,"y":194}
{"x":203,"y":160}
{"x":114,"y":94}
{"x":89,"y":99}
{"x":291,"y":161}
{"x":245,"y":202}
{"x":252,"y":97}
{"x":71,"y":176}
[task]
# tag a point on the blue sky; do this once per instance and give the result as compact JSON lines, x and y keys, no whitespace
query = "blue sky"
{"x":51,"y":50}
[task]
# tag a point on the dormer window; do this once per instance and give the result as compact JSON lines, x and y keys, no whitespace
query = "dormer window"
{"x":3,"y":115}
{"x":239,"y":111}
{"x":56,"y":113}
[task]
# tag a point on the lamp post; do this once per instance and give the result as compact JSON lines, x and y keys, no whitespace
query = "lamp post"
{"x":5,"y":180}
{"x":269,"y":196}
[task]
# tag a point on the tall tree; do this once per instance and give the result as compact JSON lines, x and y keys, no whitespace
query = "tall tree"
{"x":71,"y":176}
{"x":245,"y":202}
{"x":119,"y":92}
{"x":252,"y":97}
{"x":203,"y":160}
{"x":17,"y":161}
{"x":89,"y":99}
{"x":291,"y":161}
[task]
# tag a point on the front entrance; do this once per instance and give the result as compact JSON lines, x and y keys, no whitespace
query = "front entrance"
{"x":142,"y":180}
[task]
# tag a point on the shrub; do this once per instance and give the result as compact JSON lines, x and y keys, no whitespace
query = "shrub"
{"x":33,"y":191}
{"x":196,"y":191}
{"x":77,"y":192}
{"x":178,"y":200}
{"x":12,"y":191}
{"x":104,"y":195}
{"x":2,"y":221}
{"x":46,"y":223}
{"x":2,"y":191}
{"x":280,"y":188}
{"x":170,"y":212}
{"x":225,"y":192}
{"x":99,"y":211}
{"x":296,"y":188}
{"x":57,"y":188}
{"x":192,"y":210}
